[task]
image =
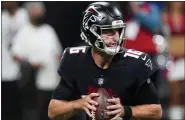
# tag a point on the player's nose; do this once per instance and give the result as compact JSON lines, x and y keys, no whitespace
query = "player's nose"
{"x":112,"y":34}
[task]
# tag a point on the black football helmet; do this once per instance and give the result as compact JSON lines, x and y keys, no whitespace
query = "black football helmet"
{"x":99,"y":17}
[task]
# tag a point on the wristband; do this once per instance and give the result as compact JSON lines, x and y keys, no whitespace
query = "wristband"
{"x":128,"y":112}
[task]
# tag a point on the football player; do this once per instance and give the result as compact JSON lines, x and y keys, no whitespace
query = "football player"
{"x":124,"y":73}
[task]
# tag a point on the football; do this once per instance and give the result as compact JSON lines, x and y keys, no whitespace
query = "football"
{"x":101,"y":108}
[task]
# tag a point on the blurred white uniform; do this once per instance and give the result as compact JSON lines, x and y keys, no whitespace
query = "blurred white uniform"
{"x":177,"y":73}
{"x":10,"y":26}
{"x":11,"y":96}
{"x":40,"y":45}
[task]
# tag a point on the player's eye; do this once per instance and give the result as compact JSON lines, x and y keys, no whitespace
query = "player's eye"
{"x":109,"y":31}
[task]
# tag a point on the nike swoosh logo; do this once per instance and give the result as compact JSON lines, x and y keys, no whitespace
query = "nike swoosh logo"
{"x":144,"y":58}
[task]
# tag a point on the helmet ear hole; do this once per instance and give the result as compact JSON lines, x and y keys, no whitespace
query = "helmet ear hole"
{"x":97,"y":44}
{"x":94,"y":28}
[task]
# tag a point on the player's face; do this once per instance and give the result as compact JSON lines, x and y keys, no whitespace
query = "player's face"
{"x":110,"y":37}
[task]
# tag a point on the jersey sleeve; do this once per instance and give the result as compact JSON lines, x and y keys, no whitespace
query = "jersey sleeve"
{"x":18,"y":44}
{"x":66,"y":87}
{"x":146,"y":92}
{"x":146,"y":68}
{"x":66,"y":65}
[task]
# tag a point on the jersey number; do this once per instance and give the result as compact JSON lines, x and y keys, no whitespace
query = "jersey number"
{"x":76,"y":50}
{"x":133,"y":53}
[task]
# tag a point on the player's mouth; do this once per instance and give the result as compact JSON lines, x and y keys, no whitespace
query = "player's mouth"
{"x":112,"y":45}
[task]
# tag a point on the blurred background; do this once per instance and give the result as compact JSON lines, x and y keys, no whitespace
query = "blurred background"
{"x":34,"y":35}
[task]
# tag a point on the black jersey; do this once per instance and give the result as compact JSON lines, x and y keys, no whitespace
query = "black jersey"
{"x":127,"y":76}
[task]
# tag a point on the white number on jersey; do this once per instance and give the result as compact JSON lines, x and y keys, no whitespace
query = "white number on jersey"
{"x":133,"y":53}
{"x":76,"y":50}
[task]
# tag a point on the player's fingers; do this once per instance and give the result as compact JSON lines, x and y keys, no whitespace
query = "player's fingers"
{"x":92,"y":102}
{"x":113,"y":100}
{"x":113,"y":107}
{"x":87,"y":111}
{"x":87,"y":105}
{"x":117,"y":111}
{"x":93,"y":95}
{"x":116,"y":117}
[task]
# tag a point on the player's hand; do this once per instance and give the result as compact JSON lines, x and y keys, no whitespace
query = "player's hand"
{"x":116,"y":108}
{"x":89,"y":104}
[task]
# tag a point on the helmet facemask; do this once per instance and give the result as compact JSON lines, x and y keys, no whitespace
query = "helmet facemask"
{"x":100,"y":44}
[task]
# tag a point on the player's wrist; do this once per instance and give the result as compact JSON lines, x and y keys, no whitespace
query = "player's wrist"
{"x":76,"y":104}
{"x":71,"y":105}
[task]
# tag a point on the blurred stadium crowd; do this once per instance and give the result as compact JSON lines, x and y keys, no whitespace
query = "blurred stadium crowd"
{"x":34,"y":35}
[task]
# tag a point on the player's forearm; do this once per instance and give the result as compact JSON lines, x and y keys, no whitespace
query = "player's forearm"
{"x":59,"y":109}
{"x":147,"y":112}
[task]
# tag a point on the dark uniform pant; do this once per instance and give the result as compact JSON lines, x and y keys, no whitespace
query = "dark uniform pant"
{"x":11,"y":101}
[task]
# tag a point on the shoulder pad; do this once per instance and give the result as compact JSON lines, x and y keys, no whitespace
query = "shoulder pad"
{"x":131,"y":53}
{"x":142,"y":60}
{"x":70,"y":56}
{"x":76,"y":50}
{"x":139,"y":56}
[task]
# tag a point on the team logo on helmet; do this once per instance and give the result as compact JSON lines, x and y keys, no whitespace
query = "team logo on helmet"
{"x":91,"y":15}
